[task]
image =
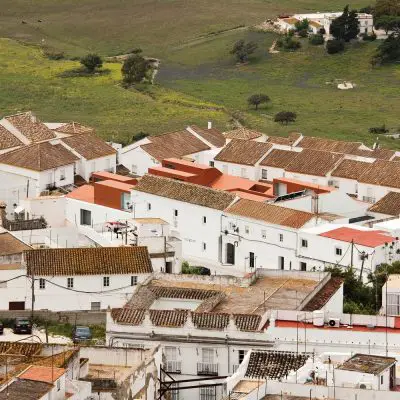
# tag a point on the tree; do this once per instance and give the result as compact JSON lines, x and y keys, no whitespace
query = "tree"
{"x":345,"y":27}
{"x":287,"y":42}
{"x":387,"y":7}
{"x":135,"y":69}
{"x":284,"y":117}
{"x":92,"y":62}
{"x":242,"y":50}
{"x":334,"y":46}
{"x":257,"y":99}
{"x":316,"y":39}
{"x":388,"y":23}
{"x":388,"y":51}
{"x":302,"y":25}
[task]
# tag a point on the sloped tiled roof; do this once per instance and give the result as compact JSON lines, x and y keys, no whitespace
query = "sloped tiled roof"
{"x":89,"y":146}
{"x":379,"y":154}
{"x":382,"y":173}
{"x":270,"y":213}
{"x":39,"y":157}
{"x":336,"y":146}
{"x":242,"y":133}
{"x":74,"y":128}
{"x":246,"y":152}
{"x":367,"y":364}
{"x":42,"y":374}
{"x":314,"y":162}
{"x":212,"y":135}
{"x":173,"y":145}
{"x":350,"y":169}
{"x":279,"y":158}
{"x":9,"y":244}
{"x":389,"y":204}
{"x":89,"y":261}
{"x":185,"y":192}
{"x":274,"y":364}
{"x":7,"y":139}
{"x":182,"y":293}
{"x":26,"y":390}
{"x":287,"y":141}
{"x":177,"y":318}
{"x":31,"y":127}
{"x":324,"y":294}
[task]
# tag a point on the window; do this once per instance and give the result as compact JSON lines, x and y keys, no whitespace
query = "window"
{"x":243,"y":172}
{"x":211,"y":163}
{"x":381,"y":379}
{"x":207,"y":355}
{"x":170,"y":353}
{"x":42,"y":283}
{"x":281,"y":237}
{"x":134,"y":169}
{"x":263,"y":233}
{"x":304,"y":243}
{"x":208,"y":393}
{"x":204,"y":220}
{"x":95,"y":306}
{"x":204,"y":246}
{"x":58,"y":385}
{"x":70,"y":282}
{"x":247,"y":229}
{"x":86,"y":217}
{"x":148,"y":206}
{"x":241,"y":356}
{"x":338,"y":251}
{"x":264,"y":174}
{"x":175,"y":213}
{"x":133,"y":280}
{"x":303,"y":266}
{"x":62,"y":174}
{"x":106,"y":281}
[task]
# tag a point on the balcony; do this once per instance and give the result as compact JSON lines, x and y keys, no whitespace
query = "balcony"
{"x":174,"y":367}
{"x":207,"y":369}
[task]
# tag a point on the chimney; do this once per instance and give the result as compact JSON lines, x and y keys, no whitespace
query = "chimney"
{"x":209,"y":125}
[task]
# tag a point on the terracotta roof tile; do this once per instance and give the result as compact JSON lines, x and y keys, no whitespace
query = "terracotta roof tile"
{"x":174,"y":145}
{"x":270,"y":213}
{"x":379,"y":154}
{"x":314,"y":162}
{"x":213,"y":136}
{"x":74,"y":128}
{"x":89,"y":261}
{"x":26,"y":390}
{"x":185,"y":192}
{"x":287,"y":141}
{"x":350,"y":169}
{"x":182,"y":293}
{"x":336,"y":146}
{"x":274,"y":364}
{"x":382,"y":173}
{"x":367,"y":363}
{"x":89,"y":146}
{"x":324,"y":295}
{"x":42,"y":374}
{"x":8,"y":140}
{"x":9,"y":244}
{"x":246,"y":152}
{"x":279,"y":158}
{"x":39,"y":157}
{"x":31,"y":127}
{"x":243,"y":133}
{"x":389,"y":204}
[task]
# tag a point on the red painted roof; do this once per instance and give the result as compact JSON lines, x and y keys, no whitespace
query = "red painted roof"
{"x":83,"y":193}
{"x":193,"y":165}
{"x":42,"y":374}
{"x":169,"y":172}
{"x":364,"y":238}
{"x":105,"y":175}
{"x":125,"y":187}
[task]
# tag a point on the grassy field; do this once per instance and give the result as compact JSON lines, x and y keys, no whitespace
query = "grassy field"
{"x":198,"y":79}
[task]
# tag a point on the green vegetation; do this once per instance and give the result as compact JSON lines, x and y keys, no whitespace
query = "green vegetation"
{"x":345,"y":27}
{"x":285,"y":117}
{"x":257,"y":99}
{"x":334,"y":46}
{"x":288,"y":42}
{"x":92,"y":62}
{"x":242,"y":50}
{"x":136,"y":69}
{"x":316,"y":39}
{"x":58,"y":329}
{"x":360,"y":297}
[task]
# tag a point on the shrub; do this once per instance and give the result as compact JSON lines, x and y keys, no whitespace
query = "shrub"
{"x":284,"y":117}
{"x":334,"y":46}
{"x":369,"y":38}
{"x":317,"y":39}
{"x":378,"y":129}
{"x":287,"y":42}
{"x":91,"y":62}
{"x":303,"y":33}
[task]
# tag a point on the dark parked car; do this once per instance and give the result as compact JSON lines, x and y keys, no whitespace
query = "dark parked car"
{"x":1,"y":328}
{"x":81,"y":334}
{"x":202,"y":270}
{"x":22,"y":325}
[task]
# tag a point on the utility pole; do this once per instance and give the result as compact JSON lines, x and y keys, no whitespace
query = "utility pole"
{"x":33,"y":293}
{"x":352,"y":252}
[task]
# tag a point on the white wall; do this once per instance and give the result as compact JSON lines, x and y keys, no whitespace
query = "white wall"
{"x":375,"y":192}
{"x":53,"y":177}
{"x":85,"y":168}
{"x":15,"y":290}
{"x":137,"y":160}
{"x":317,"y":180}
{"x":272,"y":172}
{"x":243,"y":171}
{"x":51,"y":208}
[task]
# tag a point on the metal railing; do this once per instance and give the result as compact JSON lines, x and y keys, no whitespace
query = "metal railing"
{"x":235,"y":367}
{"x":207,"y":369}
{"x":173,"y":367}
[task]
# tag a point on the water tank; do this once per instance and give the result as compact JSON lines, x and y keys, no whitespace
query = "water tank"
{"x":318,"y":318}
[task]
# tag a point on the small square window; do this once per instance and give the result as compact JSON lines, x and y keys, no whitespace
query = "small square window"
{"x":211,"y":163}
{"x":204,"y":246}
{"x":241,"y":354}
{"x":263,"y":233}
{"x":338,"y":251}
{"x":95,"y":306}
{"x":304,"y":243}
{"x":204,"y":220}
{"x":175,"y":213}
{"x":42,"y":283}
{"x":133,"y":280}
{"x":106,"y":281}
{"x":281,"y":237}
{"x":303,"y":266}
{"x":70,"y":282}
{"x":264,"y":174}
{"x":148,"y":206}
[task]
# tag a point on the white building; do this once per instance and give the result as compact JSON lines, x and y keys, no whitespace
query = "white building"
{"x":192,"y":143}
{"x":193,"y":211}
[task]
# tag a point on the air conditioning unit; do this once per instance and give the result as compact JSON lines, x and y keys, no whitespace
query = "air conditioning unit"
{"x":334,"y":322}
{"x":365,"y":385}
